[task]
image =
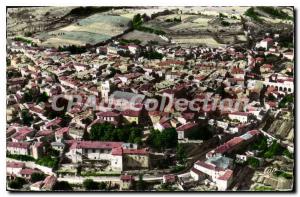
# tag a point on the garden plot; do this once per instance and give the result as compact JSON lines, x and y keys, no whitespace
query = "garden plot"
{"x":144,"y":37}
{"x":197,"y":40}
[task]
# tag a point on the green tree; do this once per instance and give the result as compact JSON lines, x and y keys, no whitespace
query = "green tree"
{"x":36,"y":176}
{"x":253,"y":162}
{"x":62,"y":186}
{"x":17,"y":183}
{"x":89,"y":184}
{"x":102,"y":185}
{"x":26,"y":117}
{"x":141,"y":184}
{"x":286,"y":100}
{"x":180,"y":154}
{"x":42,"y":98}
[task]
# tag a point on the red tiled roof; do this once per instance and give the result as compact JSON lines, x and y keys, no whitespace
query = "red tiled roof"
{"x":207,"y":165}
{"x":18,"y":144}
{"x":131,"y":113}
{"x":227,"y":175}
{"x":95,"y":145}
{"x":44,"y":133}
{"x":187,"y":126}
{"x":28,"y":171}
{"x":127,"y":178}
{"x":49,"y":182}
{"x":62,"y":131}
{"x":54,"y":122}
{"x":15,"y":164}
{"x":168,"y":62}
{"x":117,"y":151}
{"x":254,"y":132}
{"x":108,"y":114}
{"x":169,"y":177}
{"x":196,"y":171}
{"x":239,"y":113}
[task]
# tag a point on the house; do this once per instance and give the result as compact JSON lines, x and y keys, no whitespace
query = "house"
{"x":132,"y":116}
{"x":233,"y":144}
{"x":186,"y":130}
{"x":97,"y":150}
{"x":109,"y":116}
{"x":119,"y":154}
{"x":14,"y":168}
{"x":80,"y":67}
{"x":242,"y":117}
{"x":217,"y":169}
{"x":22,"y":134}
{"x":59,"y":146}
{"x":18,"y":148}
{"x":197,"y":175}
{"x":164,"y":123}
{"x":266,"y":43}
{"x":49,"y":183}
{"x":126,"y":182}
{"x":61,"y":134}
{"x":133,"y":48}
{"x":53,"y":124}
{"x":169,"y":178}
{"x":27,"y":172}
{"x":45,"y":136}
{"x":38,"y":149}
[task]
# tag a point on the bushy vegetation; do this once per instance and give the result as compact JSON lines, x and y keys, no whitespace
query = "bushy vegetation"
{"x":162,"y":140}
{"x":62,"y":186}
{"x":286,"y":175}
{"x":140,"y":185}
{"x":221,"y":15}
{"x":177,"y":168}
{"x":89,"y":173}
{"x":225,"y":23}
{"x":252,"y":14}
{"x":180,"y":154}
{"x":265,"y":151}
{"x":263,"y":188}
{"x":37,"y":176}
{"x":286,"y":100}
{"x":177,"y":20}
{"x":28,"y":34}
{"x":17,"y":183}
{"x":137,"y":22}
{"x":273,"y":150}
{"x":288,"y":154}
{"x":108,"y":132}
{"x":252,"y":161}
{"x":275,"y":12}
{"x":26,"y":117}
{"x":89,"y":10}
{"x":48,"y":161}
{"x":72,"y":49}
{"x":23,"y":40}
{"x":152,"y":55}
{"x":125,"y":42}
{"x":89,"y":184}
{"x":20,"y":157}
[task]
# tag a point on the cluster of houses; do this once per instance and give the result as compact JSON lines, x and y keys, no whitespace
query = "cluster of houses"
{"x":218,"y":168}
{"x":119,"y":76}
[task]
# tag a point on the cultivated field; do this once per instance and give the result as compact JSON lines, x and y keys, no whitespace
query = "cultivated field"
{"x":91,"y":30}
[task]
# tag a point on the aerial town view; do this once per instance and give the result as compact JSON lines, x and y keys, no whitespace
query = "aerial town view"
{"x":192,"y":99}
